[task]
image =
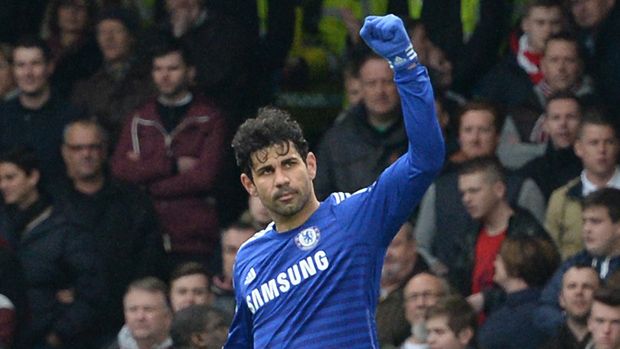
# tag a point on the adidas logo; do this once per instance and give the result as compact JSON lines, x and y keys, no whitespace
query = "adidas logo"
{"x":250,"y":277}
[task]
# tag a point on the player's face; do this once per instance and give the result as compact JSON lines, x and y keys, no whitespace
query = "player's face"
{"x":479,"y":196}
{"x":540,"y":24}
{"x":282,"y":180}
{"x":83,"y":152}
{"x":477,"y":133}
{"x":601,"y":236}
{"x":18,"y":188}
{"x":440,"y":336}
{"x":378,"y":88}
{"x":146,"y":314}
{"x":562,"y":121}
{"x":30,"y":70}
{"x":578,"y":286}
{"x":561,"y":65}
{"x":598,"y":147}
{"x":189,"y":290}
{"x":171,"y":75}
{"x":114,"y":40}
{"x":604,"y":324}
{"x":231,"y":241}
{"x":590,"y":13}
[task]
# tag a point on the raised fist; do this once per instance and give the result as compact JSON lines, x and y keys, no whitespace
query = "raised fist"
{"x":387,"y":36}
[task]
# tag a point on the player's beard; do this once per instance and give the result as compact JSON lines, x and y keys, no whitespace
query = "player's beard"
{"x":300,"y":199}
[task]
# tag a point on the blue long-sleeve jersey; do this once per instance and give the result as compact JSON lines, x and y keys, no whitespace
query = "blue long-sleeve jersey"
{"x":317,"y":286}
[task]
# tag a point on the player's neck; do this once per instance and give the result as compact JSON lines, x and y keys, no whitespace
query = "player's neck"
{"x":287,"y":223}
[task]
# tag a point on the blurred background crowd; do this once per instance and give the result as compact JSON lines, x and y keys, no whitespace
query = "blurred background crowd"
{"x":122,"y":212}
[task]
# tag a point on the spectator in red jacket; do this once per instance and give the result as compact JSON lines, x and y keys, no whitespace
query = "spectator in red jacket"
{"x":173,"y":146}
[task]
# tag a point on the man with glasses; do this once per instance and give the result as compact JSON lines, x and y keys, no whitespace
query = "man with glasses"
{"x":119,"y":216}
{"x":420,"y":293}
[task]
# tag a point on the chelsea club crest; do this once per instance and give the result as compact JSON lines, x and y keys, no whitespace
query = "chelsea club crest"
{"x":308,"y":238}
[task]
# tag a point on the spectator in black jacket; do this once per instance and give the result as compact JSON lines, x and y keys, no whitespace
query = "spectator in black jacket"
{"x":118,"y":216}
{"x":37,"y":116}
{"x":63,"y":280}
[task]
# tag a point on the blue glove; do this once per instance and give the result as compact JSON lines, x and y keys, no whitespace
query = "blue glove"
{"x":386,"y":35}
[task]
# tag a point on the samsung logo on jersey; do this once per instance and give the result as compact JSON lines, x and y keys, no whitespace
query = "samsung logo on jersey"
{"x":282,"y":283}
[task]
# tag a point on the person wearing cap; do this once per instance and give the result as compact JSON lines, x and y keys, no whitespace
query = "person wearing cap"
{"x":120,"y":86}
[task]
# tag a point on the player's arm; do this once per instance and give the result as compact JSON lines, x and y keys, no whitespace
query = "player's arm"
{"x":389,"y":201}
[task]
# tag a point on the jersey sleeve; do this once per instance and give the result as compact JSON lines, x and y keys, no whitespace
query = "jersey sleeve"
{"x":240,"y":331}
{"x":378,"y":211}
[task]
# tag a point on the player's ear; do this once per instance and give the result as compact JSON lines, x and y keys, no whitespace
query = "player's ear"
{"x":248,"y":184}
{"x":311,"y":164}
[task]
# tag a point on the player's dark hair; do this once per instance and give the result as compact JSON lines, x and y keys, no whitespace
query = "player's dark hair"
{"x":271,"y":127}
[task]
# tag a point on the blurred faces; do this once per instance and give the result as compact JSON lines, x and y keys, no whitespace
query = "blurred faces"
{"x":258,"y":212}
{"x":7,"y":84}
{"x":18,"y":188}
{"x":31,"y":71}
{"x":147,"y":315}
{"x":84,"y":152}
{"x":578,"y":286}
{"x":73,"y":16}
{"x":540,"y":23}
{"x":282,"y":180}
{"x":189,"y":290}
{"x":562,"y":121}
{"x":378,"y":89}
{"x":604,"y":324}
{"x":441,"y":66}
{"x":353,"y":90}
{"x":441,"y":336}
{"x":400,"y":257}
{"x":561,"y":65}
{"x":597,"y":147}
{"x":477,"y":133}
{"x":232,"y":239}
{"x":601,"y":236}
{"x":172,"y":76}
{"x":420,"y":293}
{"x":480,"y":197}
{"x":114,"y":40}
{"x":589,"y":14}
{"x":420,"y":42}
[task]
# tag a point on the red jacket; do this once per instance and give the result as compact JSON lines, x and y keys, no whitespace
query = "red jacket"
{"x":183,"y":201}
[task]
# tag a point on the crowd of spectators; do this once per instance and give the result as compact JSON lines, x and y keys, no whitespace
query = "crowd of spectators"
{"x":122,"y":212}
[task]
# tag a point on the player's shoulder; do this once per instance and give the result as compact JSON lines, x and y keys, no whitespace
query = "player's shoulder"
{"x":255,"y":240}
